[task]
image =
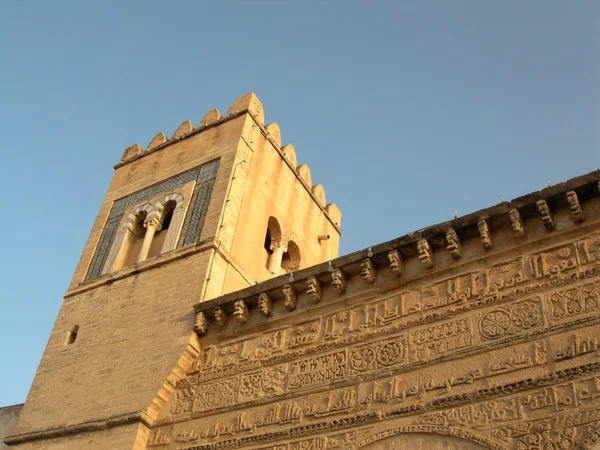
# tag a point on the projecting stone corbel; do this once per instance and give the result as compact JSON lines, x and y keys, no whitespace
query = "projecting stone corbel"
{"x":453,"y":243}
{"x":240,"y":311}
{"x":291,"y":299}
{"x":313,"y":288}
{"x":576,"y":211}
{"x":265,"y":304}
{"x":545,"y":214}
{"x":220,"y":316}
{"x":516,"y":223}
{"x":484,"y":232}
{"x":396,"y":262}
{"x":338,"y":281}
{"x":201,"y":324}
{"x":425,"y":253}
{"x":368,"y":270}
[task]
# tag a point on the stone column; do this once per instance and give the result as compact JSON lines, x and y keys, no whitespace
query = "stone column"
{"x":152,"y":225}
{"x":278,"y":249}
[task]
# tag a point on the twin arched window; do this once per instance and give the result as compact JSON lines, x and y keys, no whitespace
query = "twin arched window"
{"x":282,"y":256}
{"x":151,"y":229}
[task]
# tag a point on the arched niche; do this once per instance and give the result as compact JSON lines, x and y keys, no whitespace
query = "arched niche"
{"x":425,"y":437}
{"x":128,"y":240}
{"x":171,"y":217}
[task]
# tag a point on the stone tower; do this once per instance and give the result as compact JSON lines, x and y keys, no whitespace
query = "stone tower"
{"x":214,"y":209}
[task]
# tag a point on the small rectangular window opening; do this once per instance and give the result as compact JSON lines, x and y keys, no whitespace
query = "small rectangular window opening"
{"x":72,"y":335}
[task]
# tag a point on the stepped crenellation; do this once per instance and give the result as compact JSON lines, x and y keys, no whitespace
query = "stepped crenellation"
{"x":247,"y":103}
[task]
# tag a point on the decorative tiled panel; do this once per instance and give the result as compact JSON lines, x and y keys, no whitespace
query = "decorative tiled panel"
{"x":194,"y":222}
{"x":192,"y":225}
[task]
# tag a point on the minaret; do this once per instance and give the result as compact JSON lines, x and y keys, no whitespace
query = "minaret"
{"x":213,"y":209}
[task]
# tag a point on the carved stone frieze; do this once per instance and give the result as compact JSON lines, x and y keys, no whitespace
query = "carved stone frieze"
{"x":505,"y":355}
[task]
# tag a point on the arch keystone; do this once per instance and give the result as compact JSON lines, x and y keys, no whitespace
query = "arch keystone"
{"x":185,"y":128}
{"x":304,"y":173}
{"x":251,"y":103}
{"x":212,"y":116}
{"x":131,"y":152}
{"x":290,"y":153}
{"x":275,"y":132}
{"x":157,"y":140}
{"x":319,"y":192}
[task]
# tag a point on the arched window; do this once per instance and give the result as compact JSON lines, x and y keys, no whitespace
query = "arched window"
{"x":274,"y":246}
{"x":291,"y":259}
{"x":150,"y":230}
{"x":72,"y":335}
{"x":134,"y":238}
{"x":166,"y":218}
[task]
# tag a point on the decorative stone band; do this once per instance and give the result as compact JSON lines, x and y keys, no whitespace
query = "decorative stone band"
{"x":115,"y":421}
{"x":333,"y":279}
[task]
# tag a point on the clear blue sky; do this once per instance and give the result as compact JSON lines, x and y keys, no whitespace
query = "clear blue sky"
{"x":404,"y":111}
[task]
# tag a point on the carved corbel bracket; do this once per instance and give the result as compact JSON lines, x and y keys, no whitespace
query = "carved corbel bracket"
{"x":545,"y":214}
{"x":201,"y":324}
{"x":265,"y":304}
{"x":576,"y":211}
{"x":338,"y":281}
{"x":516,"y":223}
{"x":453,"y":244}
{"x":313,"y":288}
{"x":368,"y":270}
{"x":486,"y":236}
{"x":425,"y":253}
{"x":291,"y":300}
{"x":220,"y":316}
{"x":396,"y":262}
{"x":240,"y":311}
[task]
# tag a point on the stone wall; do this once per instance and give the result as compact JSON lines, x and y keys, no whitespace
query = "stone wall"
{"x":8,"y":422}
{"x":477,"y":333}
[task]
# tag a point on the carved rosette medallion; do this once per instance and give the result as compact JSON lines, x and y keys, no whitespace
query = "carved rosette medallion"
{"x":390,"y":353}
{"x":495,"y":324}
{"x":362,"y":359}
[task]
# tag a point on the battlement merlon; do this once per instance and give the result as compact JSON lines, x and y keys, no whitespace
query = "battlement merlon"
{"x":251,"y":105}
{"x":526,"y":221}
